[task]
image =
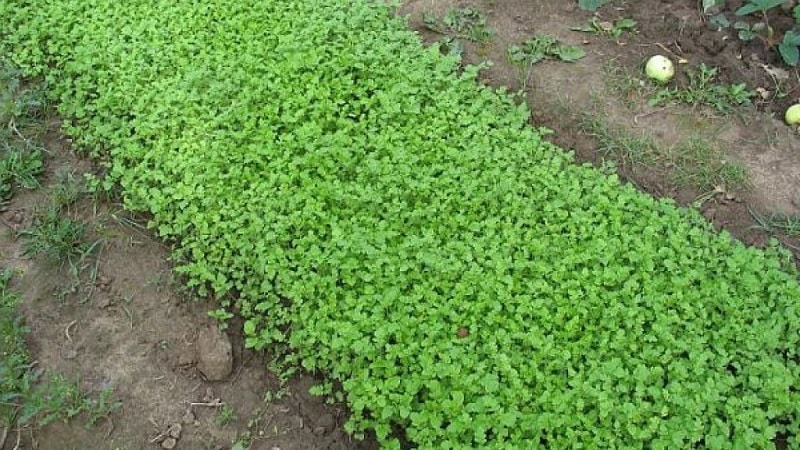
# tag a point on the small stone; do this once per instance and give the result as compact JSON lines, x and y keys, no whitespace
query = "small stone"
{"x":169,"y":443}
{"x":103,"y":283}
{"x":327,"y":421}
{"x":103,"y":302}
{"x":214,"y":354}
{"x":175,"y":430}
{"x":324,"y":424}
{"x":209,"y":397}
{"x":16,"y":219}
{"x":70,"y":353}
{"x":188,"y":417}
{"x":187,"y":357}
{"x":295,"y":422}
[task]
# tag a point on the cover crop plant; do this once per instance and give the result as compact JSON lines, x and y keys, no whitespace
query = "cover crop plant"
{"x":401,"y":229}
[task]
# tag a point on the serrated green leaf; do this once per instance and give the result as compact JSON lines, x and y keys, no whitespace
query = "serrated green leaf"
{"x":570,"y":53}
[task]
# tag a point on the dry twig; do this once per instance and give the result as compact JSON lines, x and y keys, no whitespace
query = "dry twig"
{"x":66,"y":330}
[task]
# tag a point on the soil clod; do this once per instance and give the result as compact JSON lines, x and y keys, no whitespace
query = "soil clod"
{"x":188,"y":417}
{"x":214,"y":354}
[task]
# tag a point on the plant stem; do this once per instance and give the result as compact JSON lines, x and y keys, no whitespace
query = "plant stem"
{"x":3,"y":437}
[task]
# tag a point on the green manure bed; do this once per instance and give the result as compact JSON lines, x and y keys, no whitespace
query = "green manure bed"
{"x":399,"y":228}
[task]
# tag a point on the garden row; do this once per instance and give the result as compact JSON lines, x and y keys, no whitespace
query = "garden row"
{"x":401,"y":229}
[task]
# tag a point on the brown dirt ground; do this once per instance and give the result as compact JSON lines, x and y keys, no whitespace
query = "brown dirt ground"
{"x":133,"y":329}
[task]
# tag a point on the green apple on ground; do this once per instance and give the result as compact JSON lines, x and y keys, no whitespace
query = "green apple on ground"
{"x":793,"y":115}
{"x":659,"y":68}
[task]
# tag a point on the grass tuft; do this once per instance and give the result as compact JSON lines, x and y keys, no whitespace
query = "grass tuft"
{"x":703,"y":89}
{"x":462,"y":23}
{"x":626,"y":149}
{"x":58,"y":238}
{"x":777,"y":223}
{"x":697,"y":163}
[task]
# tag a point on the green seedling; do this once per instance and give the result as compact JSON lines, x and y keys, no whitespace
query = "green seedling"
{"x":698,"y":164}
{"x":695,"y":163}
{"x":613,"y":29}
{"x":748,"y":32}
{"x":225,"y":415}
{"x":254,"y":431}
{"x":222,"y":316}
{"x":788,"y":45}
{"x":777,"y":223}
{"x":461,"y":23}
{"x":703,"y":90}
{"x":59,"y":239}
{"x":707,"y":5}
{"x":626,"y":149}
{"x":15,"y":378}
{"x":452,"y":46}
{"x":21,"y":160}
{"x":538,"y":48}
{"x":100,"y":406}
{"x":758,"y":6}
{"x":67,"y":190}
{"x":628,"y":87}
{"x":55,"y":398}
{"x":22,"y":109}
{"x":789,"y":48}
{"x":17,"y":101}
{"x":19,"y":166}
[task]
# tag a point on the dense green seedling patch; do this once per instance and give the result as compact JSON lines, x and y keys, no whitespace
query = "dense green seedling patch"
{"x":405,"y":231}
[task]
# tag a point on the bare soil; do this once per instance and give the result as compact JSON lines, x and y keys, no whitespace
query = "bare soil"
{"x":131,"y":327}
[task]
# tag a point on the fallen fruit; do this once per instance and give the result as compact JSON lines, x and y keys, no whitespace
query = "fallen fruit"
{"x":793,"y":115}
{"x":659,"y":68}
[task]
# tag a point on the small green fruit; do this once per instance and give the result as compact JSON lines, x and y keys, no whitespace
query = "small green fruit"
{"x":659,"y":68}
{"x":793,"y":115}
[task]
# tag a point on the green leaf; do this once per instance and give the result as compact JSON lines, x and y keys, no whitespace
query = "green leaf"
{"x":758,"y":5}
{"x":708,"y":4}
{"x":790,"y":53}
{"x":625,"y":24}
{"x":746,"y":9}
{"x":570,"y":53}
{"x":249,"y":327}
{"x":792,"y":37}
{"x":592,"y":5}
{"x":719,"y":21}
